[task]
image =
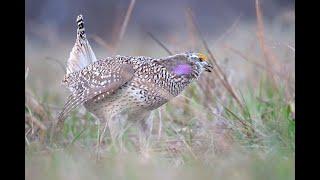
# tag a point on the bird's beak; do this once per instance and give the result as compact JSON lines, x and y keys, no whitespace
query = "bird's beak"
{"x":208,"y":67}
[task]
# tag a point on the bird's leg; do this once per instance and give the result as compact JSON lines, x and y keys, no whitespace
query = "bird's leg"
{"x":116,"y":129}
{"x":101,"y":131}
{"x":145,"y":129}
{"x":98,"y":143}
{"x":112,"y":126}
{"x":124,"y":127}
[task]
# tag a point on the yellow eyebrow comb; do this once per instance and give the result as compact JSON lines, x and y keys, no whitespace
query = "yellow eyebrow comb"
{"x":202,"y":56}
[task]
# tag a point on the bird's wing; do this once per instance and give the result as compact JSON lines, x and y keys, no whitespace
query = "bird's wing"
{"x":103,"y":79}
{"x":81,"y":54}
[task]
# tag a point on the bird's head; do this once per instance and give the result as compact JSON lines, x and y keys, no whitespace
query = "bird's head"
{"x":189,"y":63}
{"x":200,"y":60}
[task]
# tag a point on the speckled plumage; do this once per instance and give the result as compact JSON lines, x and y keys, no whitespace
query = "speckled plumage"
{"x":123,"y":89}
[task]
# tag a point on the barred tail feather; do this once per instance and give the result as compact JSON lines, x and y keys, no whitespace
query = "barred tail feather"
{"x":81,"y":54}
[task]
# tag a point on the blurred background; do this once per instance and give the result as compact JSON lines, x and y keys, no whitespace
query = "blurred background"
{"x":161,"y":17}
{"x":237,"y":122}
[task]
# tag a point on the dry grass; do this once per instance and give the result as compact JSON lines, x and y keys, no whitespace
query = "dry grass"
{"x":217,"y":70}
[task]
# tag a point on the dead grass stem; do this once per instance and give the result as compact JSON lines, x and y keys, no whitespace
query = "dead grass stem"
{"x":125,"y":22}
{"x":159,"y":43}
{"x":218,"y":71}
{"x":271,"y":61}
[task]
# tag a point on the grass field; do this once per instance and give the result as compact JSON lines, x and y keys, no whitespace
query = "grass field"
{"x":235,"y":123}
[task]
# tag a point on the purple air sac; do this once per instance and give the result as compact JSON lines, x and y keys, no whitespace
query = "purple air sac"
{"x":182,"y":69}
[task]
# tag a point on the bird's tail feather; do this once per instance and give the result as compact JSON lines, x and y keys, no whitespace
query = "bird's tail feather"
{"x":81,"y":54}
